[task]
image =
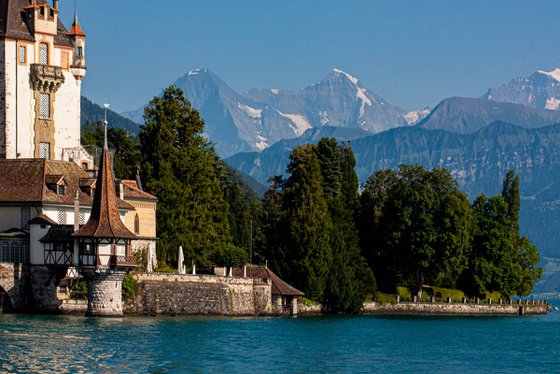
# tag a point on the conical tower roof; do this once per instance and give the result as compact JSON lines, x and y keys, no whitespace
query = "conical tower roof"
{"x":105,"y":221}
{"x":76,"y":29}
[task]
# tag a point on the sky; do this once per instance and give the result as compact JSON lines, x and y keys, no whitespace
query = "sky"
{"x":412,"y":53}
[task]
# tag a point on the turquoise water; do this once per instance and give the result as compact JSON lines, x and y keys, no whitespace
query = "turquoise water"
{"x":260,"y":345}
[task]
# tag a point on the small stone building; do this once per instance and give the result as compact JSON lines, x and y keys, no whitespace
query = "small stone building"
{"x":284,"y":296}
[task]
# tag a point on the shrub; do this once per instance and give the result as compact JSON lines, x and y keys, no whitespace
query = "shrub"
{"x":129,"y":287}
{"x":79,"y":290}
{"x":385,"y":298}
{"x":307,"y":302}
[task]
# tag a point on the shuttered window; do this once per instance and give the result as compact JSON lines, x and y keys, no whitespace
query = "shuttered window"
{"x":22,"y":54}
{"x":25,"y":217}
{"x":44,"y":105}
{"x":62,"y":217}
{"x":45,"y":150}
{"x":44,"y":54}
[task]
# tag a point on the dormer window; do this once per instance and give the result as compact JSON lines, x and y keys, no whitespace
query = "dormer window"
{"x":56,"y":184}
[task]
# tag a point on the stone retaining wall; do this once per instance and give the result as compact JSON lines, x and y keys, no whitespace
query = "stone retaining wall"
{"x":173,"y":294}
{"x":455,"y":309}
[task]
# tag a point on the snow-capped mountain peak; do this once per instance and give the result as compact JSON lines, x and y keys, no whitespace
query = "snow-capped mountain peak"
{"x":553,"y":74}
{"x":350,"y":77}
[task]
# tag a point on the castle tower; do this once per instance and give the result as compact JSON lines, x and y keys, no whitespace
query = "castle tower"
{"x":41,"y":69}
{"x":104,"y":245}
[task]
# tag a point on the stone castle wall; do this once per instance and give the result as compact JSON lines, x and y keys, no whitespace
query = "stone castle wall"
{"x":173,"y":294}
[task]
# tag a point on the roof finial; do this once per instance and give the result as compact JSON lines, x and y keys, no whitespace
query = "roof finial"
{"x":76,"y":12}
{"x":105,"y":123}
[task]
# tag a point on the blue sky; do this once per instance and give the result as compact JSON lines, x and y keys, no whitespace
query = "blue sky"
{"x":412,"y":53}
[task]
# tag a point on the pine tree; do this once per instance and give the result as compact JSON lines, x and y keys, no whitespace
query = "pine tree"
{"x":307,"y":221}
{"x":183,"y":170}
{"x":350,"y":279}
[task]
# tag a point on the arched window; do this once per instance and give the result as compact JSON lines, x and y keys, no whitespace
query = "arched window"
{"x":136,"y":225}
{"x":44,"y":54}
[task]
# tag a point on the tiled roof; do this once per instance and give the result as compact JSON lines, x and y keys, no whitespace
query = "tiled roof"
{"x":14,"y":234}
{"x":25,"y":181}
{"x":132,"y":192}
{"x":76,"y":29}
{"x":58,"y":234}
{"x":105,"y":221}
{"x":279,"y":287}
{"x":13,"y":23}
{"x":42,"y":219}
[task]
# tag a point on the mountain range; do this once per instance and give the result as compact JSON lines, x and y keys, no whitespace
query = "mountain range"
{"x":258,"y":118}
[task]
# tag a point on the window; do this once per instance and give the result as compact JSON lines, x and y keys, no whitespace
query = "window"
{"x":25,"y":216}
{"x":22,"y":57}
{"x":62,"y":217}
{"x":44,"y":105}
{"x":84,"y":165}
{"x":44,"y":54}
{"x":136,"y":224}
{"x":80,"y":52}
{"x":43,"y":12}
{"x":45,"y":150}
{"x":121,"y":250}
{"x":61,"y":190}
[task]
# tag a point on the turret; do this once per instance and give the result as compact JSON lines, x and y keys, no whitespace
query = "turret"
{"x":104,"y":245}
{"x":78,"y":38}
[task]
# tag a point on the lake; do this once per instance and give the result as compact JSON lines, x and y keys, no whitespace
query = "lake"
{"x":31,"y":343}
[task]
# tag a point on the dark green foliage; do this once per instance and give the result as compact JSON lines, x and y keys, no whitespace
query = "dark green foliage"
{"x":229,"y":255}
{"x":183,"y":170}
{"x":510,"y":193}
{"x":125,"y":145}
{"x":129,"y":287}
{"x":502,"y":260}
{"x":350,"y":279}
{"x":309,"y":222}
{"x":245,"y":212}
{"x":415,"y":227}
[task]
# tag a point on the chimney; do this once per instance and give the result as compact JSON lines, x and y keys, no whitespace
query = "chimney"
{"x":77,"y":211}
{"x":55,"y":4}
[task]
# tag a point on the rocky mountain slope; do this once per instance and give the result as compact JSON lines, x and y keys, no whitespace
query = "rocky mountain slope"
{"x":540,"y":90}
{"x":466,"y":115}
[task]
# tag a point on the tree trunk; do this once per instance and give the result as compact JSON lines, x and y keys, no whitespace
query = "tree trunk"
{"x":419,"y":281}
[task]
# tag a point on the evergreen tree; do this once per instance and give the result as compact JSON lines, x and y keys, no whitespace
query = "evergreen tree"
{"x":307,"y":224}
{"x":183,"y":170}
{"x":510,"y":193}
{"x":350,"y":279}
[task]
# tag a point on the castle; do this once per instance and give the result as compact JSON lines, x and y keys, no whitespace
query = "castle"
{"x":50,"y":190}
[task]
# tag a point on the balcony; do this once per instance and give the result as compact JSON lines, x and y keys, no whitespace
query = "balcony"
{"x":46,"y":78}
{"x":107,"y":261}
